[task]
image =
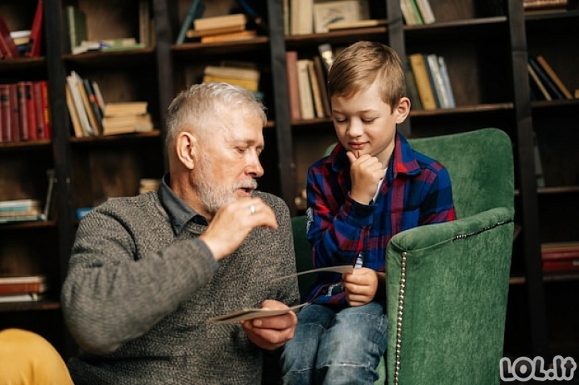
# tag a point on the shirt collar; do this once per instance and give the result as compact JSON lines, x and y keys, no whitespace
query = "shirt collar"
{"x":180,"y":213}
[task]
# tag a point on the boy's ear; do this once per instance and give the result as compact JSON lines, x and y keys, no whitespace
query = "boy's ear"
{"x":185,"y":148}
{"x":402,"y":110}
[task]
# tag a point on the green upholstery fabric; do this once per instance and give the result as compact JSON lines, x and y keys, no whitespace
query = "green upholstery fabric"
{"x":447,"y":306}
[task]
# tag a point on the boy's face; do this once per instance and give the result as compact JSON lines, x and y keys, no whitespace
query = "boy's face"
{"x":365,"y":124}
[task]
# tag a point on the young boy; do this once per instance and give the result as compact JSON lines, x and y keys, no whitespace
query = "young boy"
{"x":372,"y":186}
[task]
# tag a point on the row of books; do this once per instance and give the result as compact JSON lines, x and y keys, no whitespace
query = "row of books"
{"x":91,"y":116}
{"x":428,"y":82}
{"x":24,"y":111}
{"x":30,"y":43}
{"x":242,"y":23}
{"x":309,"y":16}
{"x":417,"y":12}
{"x":23,"y":288}
{"x":544,"y":81}
{"x":27,"y":210}
{"x":77,"y":31}
{"x":560,"y":257}
{"x":307,"y":78}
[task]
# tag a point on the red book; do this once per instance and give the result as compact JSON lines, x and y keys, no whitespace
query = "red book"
{"x":38,"y":110}
{"x":45,"y":109}
{"x":14,"y":112}
{"x":22,"y":285}
{"x":5,"y":115}
{"x":561,"y":266}
{"x":22,"y":110}
{"x":31,"y":111}
{"x":8,"y":47}
{"x":36,"y":32}
{"x":565,"y":251}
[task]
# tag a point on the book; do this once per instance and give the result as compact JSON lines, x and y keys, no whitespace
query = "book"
{"x":244,"y":77}
{"x":23,"y":285}
{"x":437,"y":81}
{"x":408,"y":12}
{"x":323,"y":85}
{"x":31,"y":110}
{"x":71,"y":82}
{"x":305,"y":90}
{"x":548,"y":83}
{"x":46,"y":117}
{"x":301,"y":17}
{"x":344,"y":11}
{"x":194,"y":12}
{"x":411,"y":90}
{"x":425,"y":11}
{"x":247,"y":314}
{"x":19,"y":205}
{"x":35,"y":41}
{"x":94,"y":105}
{"x":125,"y":108}
{"x":76,"y":23}
{"x":14,"y":111}
{"x":234,"y":20}
{"x":145,"y":30}
{"x":22,"y":110}
{"x":416,"y":12}
{"x":425,"y":91}
{"x":560,"y":250}
{"x":551,"y":73}
{"x":529,"y":5}
{"x":316,"y":93}
{"x":74,"y":118}
{"x":356,"y":24}
{"x":446,"y":79}
{"x":92,"y":118}
{"x":126,"y":124}
{"x":28,"y":297}
{"x":7,"y":45}
{"x":291,"y":66}
{"x":230,"y":36}
{"x":536,"y":82}
{"x":5,"y":115}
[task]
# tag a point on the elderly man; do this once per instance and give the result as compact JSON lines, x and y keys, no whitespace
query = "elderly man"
{"x":148,"y":272}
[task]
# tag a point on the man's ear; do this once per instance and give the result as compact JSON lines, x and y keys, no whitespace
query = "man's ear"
{"x":186,"y":148}
{"x":402,"y":110}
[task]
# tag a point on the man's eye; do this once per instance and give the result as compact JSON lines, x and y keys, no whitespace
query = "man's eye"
{"x":241,"y":150}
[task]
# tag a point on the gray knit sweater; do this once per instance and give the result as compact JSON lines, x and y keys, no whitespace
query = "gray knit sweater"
{"x":137,"y":297}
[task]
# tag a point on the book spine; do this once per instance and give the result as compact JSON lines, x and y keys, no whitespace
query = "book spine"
{"x":322,"y":84}
{"x":426,"y":11}
{"x":35,"y":44}
{"x":560,"y":255}
{"x":5,"y":125}
{"x":291,"y":61}
{"x":14,"y":112}
{"x":305,"y":90}
{"x":37,"y":95}
{"x":411,"y":90}
{"x":187,"y":21}
{"x":537,"y":82}
{"x":30,"y":111}
{"x":22,"y":288}
{"x":545,"y":79}
{"x":22,"y":110}
{"x":10,"y":49}
{"x":316,"y":94}
{"x":446,"y":79}
{"x":437,"y":81}
{"x":420,"y":72}
{"x":549,"y":70}
{"x":301,"y":17}
{"x":46,"y":118}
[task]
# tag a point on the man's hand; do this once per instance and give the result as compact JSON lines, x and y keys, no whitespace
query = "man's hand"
{"x":365,"y":172}
{"x":270,"y":333}
{"x":361,"y":286}
{"x":233,"y":222}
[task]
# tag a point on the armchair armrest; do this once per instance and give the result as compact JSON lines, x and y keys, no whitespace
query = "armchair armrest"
{"x":446,"y":300}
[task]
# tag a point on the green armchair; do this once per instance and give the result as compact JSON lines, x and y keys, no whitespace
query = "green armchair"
{"x":448,"y":283}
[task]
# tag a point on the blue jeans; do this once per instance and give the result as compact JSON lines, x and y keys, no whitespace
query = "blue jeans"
{"x":335,"y":346}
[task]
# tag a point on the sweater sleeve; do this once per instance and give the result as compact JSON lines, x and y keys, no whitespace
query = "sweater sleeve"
{"x":114,"y":292}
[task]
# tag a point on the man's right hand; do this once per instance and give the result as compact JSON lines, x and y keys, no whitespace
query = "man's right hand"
{"x":233,"y":222}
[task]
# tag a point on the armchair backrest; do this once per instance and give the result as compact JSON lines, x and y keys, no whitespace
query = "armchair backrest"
{"x":480,"y":164}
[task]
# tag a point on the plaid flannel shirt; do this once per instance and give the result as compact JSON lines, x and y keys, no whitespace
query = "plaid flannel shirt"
{"x":416,"y":191}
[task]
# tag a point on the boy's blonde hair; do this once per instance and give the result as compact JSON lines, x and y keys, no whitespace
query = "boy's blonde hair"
{"x":359,"y":65}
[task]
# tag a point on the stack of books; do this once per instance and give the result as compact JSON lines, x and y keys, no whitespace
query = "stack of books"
{"x":221,"y":28}
{"x":22,"y":289}
{"x":125,"y":118}
{"x":243,"y":74}
{"x":21,"y":210}
{"x":92,"y":116}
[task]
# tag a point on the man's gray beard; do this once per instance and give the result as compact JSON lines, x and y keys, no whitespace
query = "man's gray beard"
{"x":215,"y":197}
